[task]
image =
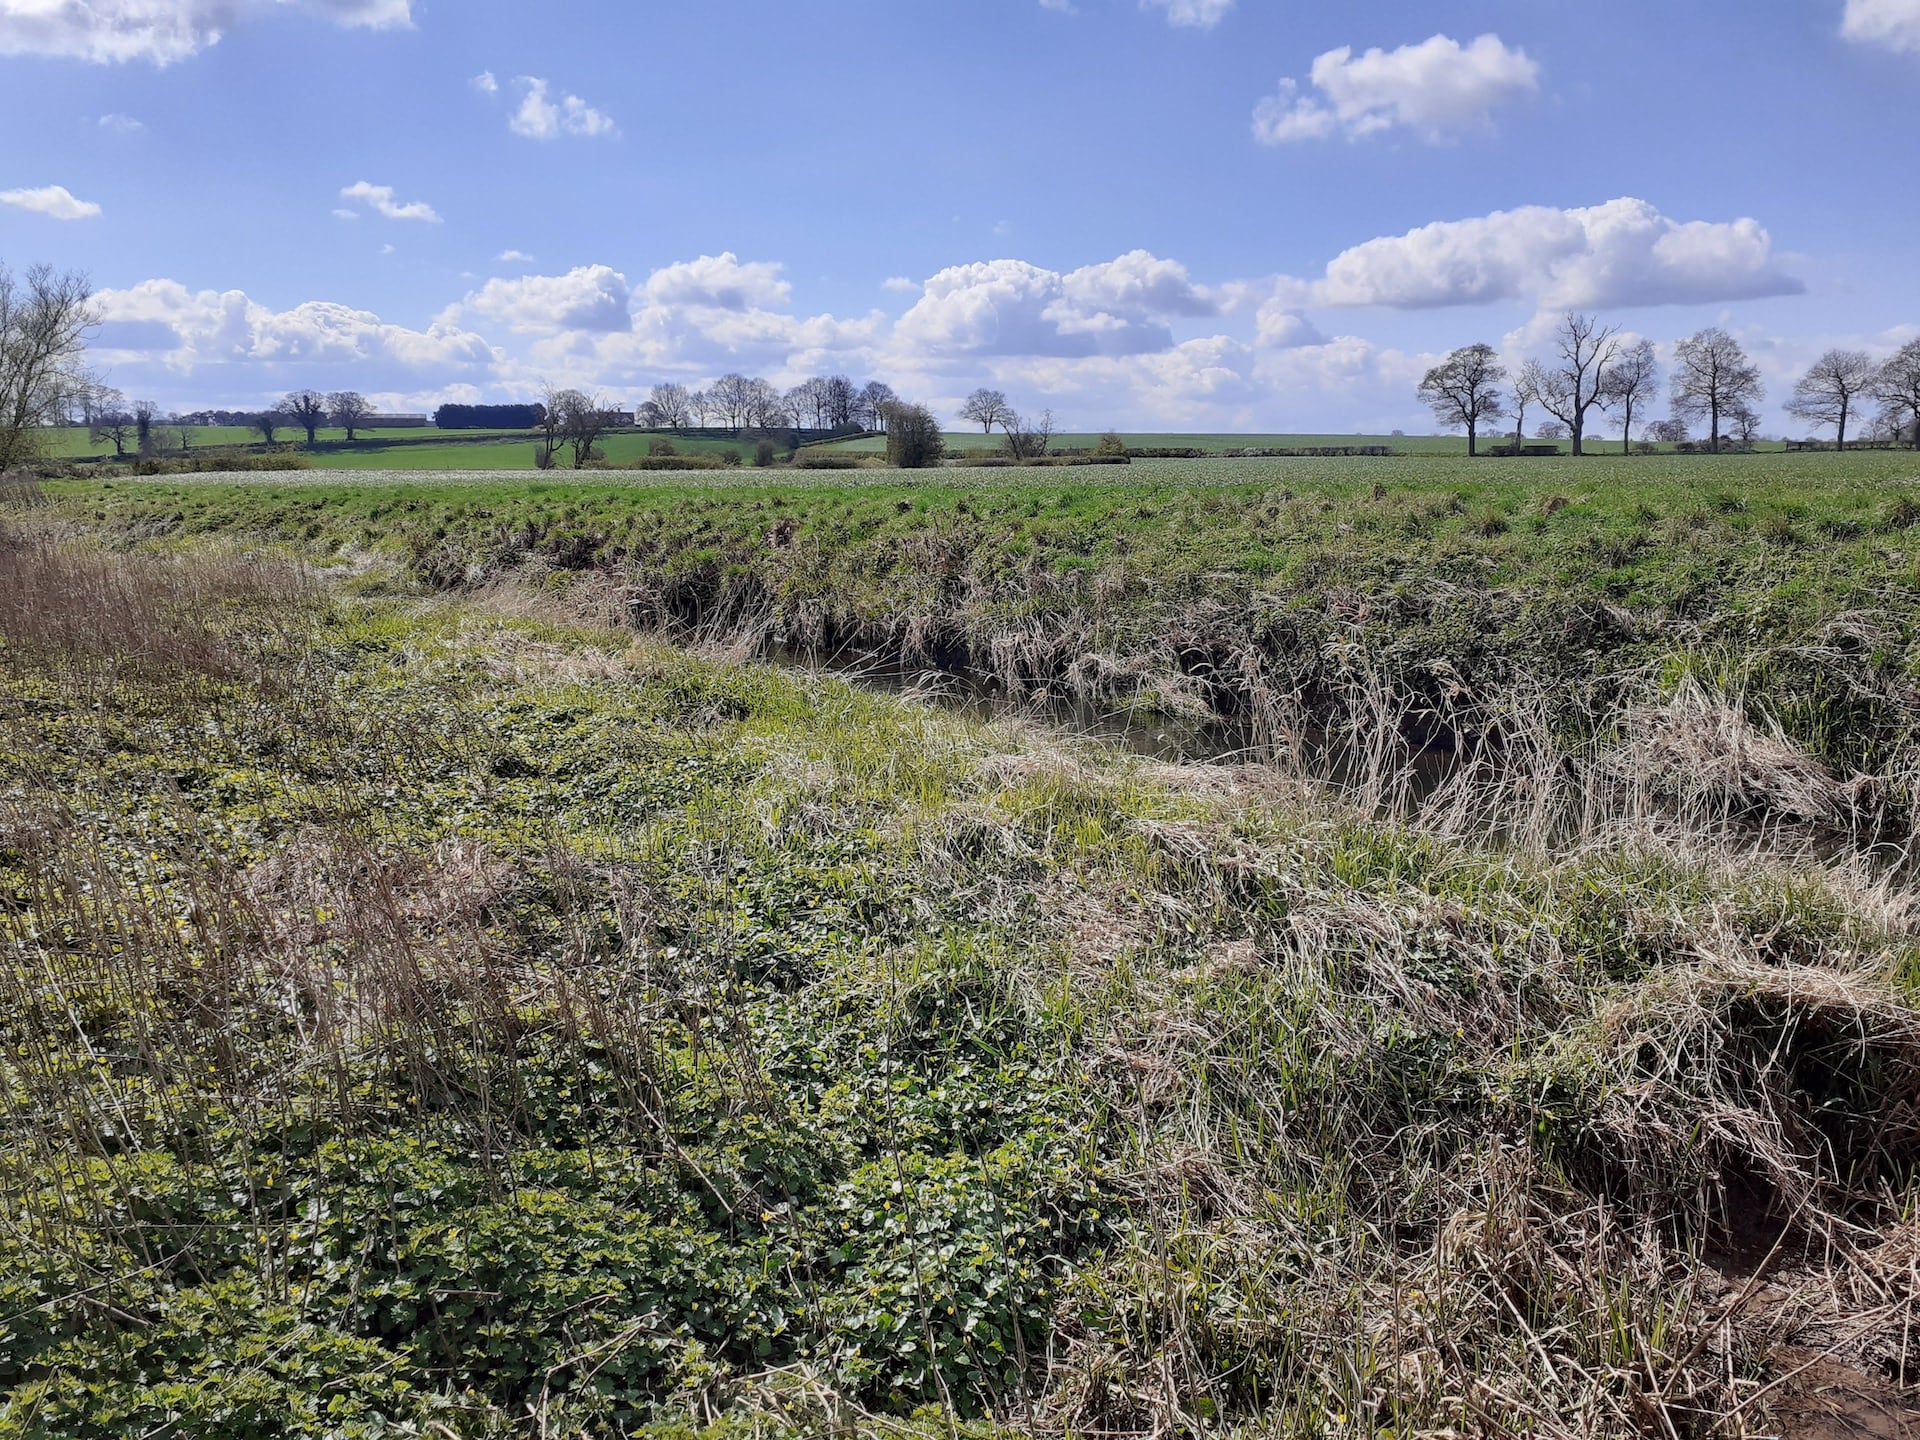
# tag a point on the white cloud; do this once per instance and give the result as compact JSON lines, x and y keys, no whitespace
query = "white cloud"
{"x":121,"y":124}
{"x":56,"y":202}
{"x":1439,"y":89}
{"x":539,"y":118}
{"x":160,"y":31}
{"x":485,"y":83}
{"x":719,"y":282}
{"x":594,"y":299}
{"x":1623,"y":253}
{"x":380,"y":199}
{"x":900,"y":285}
{"x":343,"y":214}
{"x":1198,"y":14}
{"x":1892,"y":23}
{"x":1009,"y":307}
{"x":208,"y":345}
{"x":514,"y":257}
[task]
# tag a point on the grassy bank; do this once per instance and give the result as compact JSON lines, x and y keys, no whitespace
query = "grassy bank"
{"x":428,"y":1016}
{"x":1553,"y":607}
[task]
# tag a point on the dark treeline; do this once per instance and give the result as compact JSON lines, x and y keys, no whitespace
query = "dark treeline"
{"x":489,"y":417}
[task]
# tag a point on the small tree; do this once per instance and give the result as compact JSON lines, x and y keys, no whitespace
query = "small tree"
{"x":44,"y":324}
{"x":763,"y":454}
{"x":108,"y":419}
{"x":1712,"y":377}
{"x":1027,"y":438}
{"x":146,"y":414}
{"x":267,"y":422}
{"x":668,"y":407}
{"x":1897,"y":387}
{"x":986,"y":408}
{"x":551,"y":425}
{"x":874,"y":399}
{"x":1463,"y":391}
{"x":914,"y":441}
{"x":1630,"y":382}
{"x":350,"y":411}
{"x":307,"y":409}
{"x":1526,"y":392}
{"x":1669,"y":432}
{"x":583,"y":419}
{"x":183,"y":432}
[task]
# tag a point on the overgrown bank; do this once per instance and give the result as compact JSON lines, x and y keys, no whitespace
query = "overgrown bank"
{"x":1555,"y":609}
{"x":421,"y":1020}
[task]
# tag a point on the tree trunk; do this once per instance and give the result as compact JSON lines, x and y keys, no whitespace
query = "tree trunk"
{"x":1841,"y":442}
{"x":1626,"y":431}
{"x":1473,"y":448}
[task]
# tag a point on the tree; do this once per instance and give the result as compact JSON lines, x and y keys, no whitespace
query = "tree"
{"x":914,"y":440}
{"x":1669,"y":432}
{"x":668,"y":407}
{"x":1744,"y":422}
{"x":1630,"y":382}
{"x":1574,"y":383}
{"x":1464,"y":390}
{"x":875,"y":397}
{"x":808,"y":402}
{"x":350,"y":411}
{"x":582,"y":420}
{"x":145,"y":415}
{"x":1711,"y":377}
{"x":307,"y":409}
{"x":1832,"y":390}
{"x":1526,"y":392}
{"x":108,"y":419}
{"x":183,"y":430}
{"x":1552,"y":430}
{"x":550,"y":425}
{"x":1897,"y":387}
{"x":1027,"y":438}
{"x":700,"y":404}
{"x":842,"y":401}
{"x":986,"y":408}
{"x":268,"y":423}
{"x":44,"y":323}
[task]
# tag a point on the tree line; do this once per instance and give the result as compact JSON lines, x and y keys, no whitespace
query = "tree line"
{"x":1593,"y":369}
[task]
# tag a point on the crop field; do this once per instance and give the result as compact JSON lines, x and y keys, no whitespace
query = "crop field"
{"x":963,"y":439}
{"x":464,"y":973}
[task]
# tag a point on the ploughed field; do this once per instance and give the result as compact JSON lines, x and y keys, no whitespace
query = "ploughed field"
{"x":448,"y":986}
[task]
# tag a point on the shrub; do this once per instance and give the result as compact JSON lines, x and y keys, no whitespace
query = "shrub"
{"x":831,"y":460}
{"x":660,"y":445}
{"x":730,"y":457}
{"x":1110,"y":444}
{"x":763,"y":454}
{"x":914,"y":440}
{"x":675,"y":462}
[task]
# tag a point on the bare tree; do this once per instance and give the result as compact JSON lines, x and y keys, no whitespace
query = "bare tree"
{"x":1630,"y":382}
{"x":700,"y":406}
{"x":1669,"y":432}
{"x":808,"y":402}
{"x":551,"y":424}
{"x":914,"y":440}
{"x":1711,"y":377}
{"x":842,"y":401}
{"x":1027,"y":438}
{"x":1744,"y":423}
{"x":268,"y":423}
{"x":583,"y":420}
{"x":875,"y":397}
{"x":1464,"y":391}
{"x":107,"y":416}
{"x":44,"y":323}
{"x":350,"y":411}
{"x":1897,"y":388}
{"x":145,"y":415}
{"x":1574,"y":383}
{"x":986,"y":408}
{"x":1832,"y":390}
{"x":668,"y":407}
{"x":1527,"y":386}
{"x":183,"y":432}
{"x":307,"y":409}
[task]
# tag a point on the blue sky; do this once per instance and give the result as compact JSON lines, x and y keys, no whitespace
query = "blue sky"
{"x":1150,"y":214}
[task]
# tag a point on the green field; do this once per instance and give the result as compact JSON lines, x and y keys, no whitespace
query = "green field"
{"x":450,"y":987}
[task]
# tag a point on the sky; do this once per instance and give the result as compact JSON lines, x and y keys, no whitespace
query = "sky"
{"x":1150,"y":215}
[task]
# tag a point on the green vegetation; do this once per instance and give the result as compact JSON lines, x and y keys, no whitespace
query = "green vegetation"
{"x":430,"y":1007}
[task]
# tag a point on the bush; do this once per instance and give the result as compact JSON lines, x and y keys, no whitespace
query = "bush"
{"x":914,"y":440}
{"x":675,"y":462}
{"x":763,"y":454}
{"x":832,"y":460}
{"x":660,"y":445}
{"x":1111,"y":444}
{"x":730,"y":457}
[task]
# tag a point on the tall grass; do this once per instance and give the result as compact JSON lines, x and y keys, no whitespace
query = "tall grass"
{"x":445,"y":1018}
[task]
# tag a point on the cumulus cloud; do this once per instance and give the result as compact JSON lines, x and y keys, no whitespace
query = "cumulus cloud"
{"x":380,"y":199}
{"x":222,"y":343}
{"x":485,"y":83}
{"x":719,"y":282}
{"x":595,"y":299}
{"x":541,"y":118}
{"x":1197,"y":14}
{"x":1438,"y":89}
{"x":56,"y":202}
{"x":162,"y":32}
{"x":514,"y":257}
{"x":1009,"y":307}
{"x":1892,"y":23}
{"x":1622,"y":253}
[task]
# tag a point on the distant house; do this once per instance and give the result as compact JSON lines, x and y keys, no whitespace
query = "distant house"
{"x":620,"y":419}
{"x":395,"y":422}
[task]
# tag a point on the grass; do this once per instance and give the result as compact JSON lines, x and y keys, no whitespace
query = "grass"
{"x":416,"y":449}
{"x":430,"y":1005}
